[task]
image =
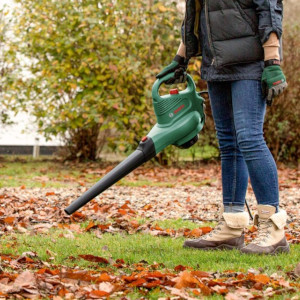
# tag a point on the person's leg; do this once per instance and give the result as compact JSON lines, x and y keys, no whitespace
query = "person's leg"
{"x":249,"y":110}
{"x":234,"y":169}
{"x":228,"y":234}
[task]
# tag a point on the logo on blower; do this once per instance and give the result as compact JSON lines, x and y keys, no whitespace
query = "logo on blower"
{"x":179,"y":109}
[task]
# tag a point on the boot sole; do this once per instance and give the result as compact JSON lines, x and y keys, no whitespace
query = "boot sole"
{"x":278,"y":250}
{"x":220,"y":247}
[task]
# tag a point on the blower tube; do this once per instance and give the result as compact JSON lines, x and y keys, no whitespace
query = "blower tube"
{"x":143,"y":153}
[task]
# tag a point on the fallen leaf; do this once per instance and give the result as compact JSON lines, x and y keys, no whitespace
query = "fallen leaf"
{"x":25,"y":279}
{"x":93,"y":258}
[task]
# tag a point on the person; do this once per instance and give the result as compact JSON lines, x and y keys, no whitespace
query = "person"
{"x":240,"y":45}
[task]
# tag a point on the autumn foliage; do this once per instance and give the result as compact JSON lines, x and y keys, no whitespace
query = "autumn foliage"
{"x":89,"y":67}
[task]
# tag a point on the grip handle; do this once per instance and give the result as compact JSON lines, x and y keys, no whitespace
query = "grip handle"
{"x":155,"y":89}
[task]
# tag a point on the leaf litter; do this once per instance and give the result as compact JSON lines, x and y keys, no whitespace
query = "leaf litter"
{"x":36,"y":211}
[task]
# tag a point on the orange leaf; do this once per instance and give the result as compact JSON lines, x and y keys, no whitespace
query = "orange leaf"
{"x":155,"y":274}
{"x":195,"y":232}
{"x":93,"y":258}
{"x":129,"y":278}
{"x":48,"y":271}
{"x":123,"y":212}
{"x":62,"y":292}
{"x":90,"y":226}
{"x":179,"y":268}
{"x":50,"y":194}
{"x":9,"y":220}
{"x":134,"y":224}
{"x":103,"y":277}
{"x":147,"y":207}
{"x":138,"y":282}
{"x":258,"y":286}
{"x":158,"y":228}
{"x":103,"y":227}
{"x":262,"y":278}
{"x":186,"y":279}
{"x":125,"y":206}
{"x":81,"y":275}
{"x":206,"y":230}
{"x":204,"y":289}
{"x":77,"y":215}
{"x":253,"y":229}
{"x":98,"y":293}
{"x":200,"y":274}
{"x":153,"y":284}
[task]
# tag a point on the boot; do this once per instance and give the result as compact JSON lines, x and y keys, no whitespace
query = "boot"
{"x":228,"y":234}
{"x":270,"y":238}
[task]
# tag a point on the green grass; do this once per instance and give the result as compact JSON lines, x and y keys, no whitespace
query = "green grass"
{"x":198,"y":152}
{"x":179,"y":223}
{"x":19,"y":171}
{"x":50,"y":173}
{"x":137,"y":247}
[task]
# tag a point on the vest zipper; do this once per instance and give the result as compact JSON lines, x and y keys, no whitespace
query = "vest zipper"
{"x":208,"y":33}
{"x":184,"y":34}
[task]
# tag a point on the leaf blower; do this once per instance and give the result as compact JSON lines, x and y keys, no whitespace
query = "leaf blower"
{"x":180,"y":117}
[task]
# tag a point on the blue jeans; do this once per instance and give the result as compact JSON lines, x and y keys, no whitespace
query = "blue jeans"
{"x":238,"y":111}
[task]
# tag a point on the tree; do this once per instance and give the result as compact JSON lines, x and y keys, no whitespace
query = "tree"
{"x":6,"y":67}
{"x":88,"y":66}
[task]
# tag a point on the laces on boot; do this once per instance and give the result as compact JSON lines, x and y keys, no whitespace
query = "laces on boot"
{"x":217,"y":229}
{"x":263,"y":232}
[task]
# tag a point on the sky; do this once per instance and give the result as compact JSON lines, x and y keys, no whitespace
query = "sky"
{"x":3,"y":2}
{"x":24,"y":131}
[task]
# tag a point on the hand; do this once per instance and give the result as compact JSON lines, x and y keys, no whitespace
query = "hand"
{"x":273,"y":81}
{"x":178,"y":66}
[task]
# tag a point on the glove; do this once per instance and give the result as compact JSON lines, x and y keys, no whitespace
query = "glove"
{"x":178,"y":66}
{"x":273,"y":80}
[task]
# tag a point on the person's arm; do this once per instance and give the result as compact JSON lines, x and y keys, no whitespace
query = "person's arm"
{"x":271,"y":48}
{"x":178,"y":66}
{"x":273,"y":79}
{"x":181,"y":50}
{"x":270,"y":14}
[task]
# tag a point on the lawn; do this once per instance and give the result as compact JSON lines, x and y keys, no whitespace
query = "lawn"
{"x":127,"y":244}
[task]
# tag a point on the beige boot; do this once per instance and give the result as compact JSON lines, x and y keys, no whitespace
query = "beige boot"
{"x":270,"y":237}
{"x":228,"y":234}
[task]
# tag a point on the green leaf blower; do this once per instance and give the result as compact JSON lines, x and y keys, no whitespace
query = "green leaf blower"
{"x":180,"y":117}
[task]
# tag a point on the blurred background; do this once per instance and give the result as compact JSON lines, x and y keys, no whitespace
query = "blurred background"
{"x":78,"y":75}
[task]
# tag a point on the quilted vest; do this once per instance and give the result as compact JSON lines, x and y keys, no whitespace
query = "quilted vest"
{"x":232,"y":28}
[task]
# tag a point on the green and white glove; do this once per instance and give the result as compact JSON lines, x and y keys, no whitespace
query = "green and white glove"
{"x":178,"y":66}
{"x":273,"y":80}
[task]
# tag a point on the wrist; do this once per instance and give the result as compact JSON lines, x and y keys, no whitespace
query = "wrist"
{"x":182,"y":61}
{"x":272,"y":62}
{"x":271,"y":47}
{"x":181,"y":50}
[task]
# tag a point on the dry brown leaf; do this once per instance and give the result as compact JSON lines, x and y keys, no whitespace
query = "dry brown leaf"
{"x":93,"y":258}
{"x":185,"y":279}
{"x":97,"y":294}
{"x":25,"y":279}
{"x":297,"y":270}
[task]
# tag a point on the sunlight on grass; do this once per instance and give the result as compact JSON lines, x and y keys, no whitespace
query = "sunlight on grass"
{"x":137,"y":247}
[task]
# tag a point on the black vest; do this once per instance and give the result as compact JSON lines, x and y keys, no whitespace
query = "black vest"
{"x":232,"y":29}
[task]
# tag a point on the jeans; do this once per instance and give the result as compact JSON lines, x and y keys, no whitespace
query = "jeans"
{"x":238,"y":111}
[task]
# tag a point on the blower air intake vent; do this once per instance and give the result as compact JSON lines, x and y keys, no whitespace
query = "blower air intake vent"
{"x":166,"y":105}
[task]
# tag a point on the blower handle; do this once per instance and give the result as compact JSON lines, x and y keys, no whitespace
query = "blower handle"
{"x":191,"y":87}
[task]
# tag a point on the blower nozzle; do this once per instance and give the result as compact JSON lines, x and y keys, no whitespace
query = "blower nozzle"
{"x":143,"y":153}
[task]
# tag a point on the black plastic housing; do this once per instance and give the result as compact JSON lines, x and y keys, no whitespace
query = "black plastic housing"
{"x":144,"y":152}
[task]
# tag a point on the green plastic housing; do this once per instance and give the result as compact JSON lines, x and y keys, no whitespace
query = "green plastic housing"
{"x":180,"y":117}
